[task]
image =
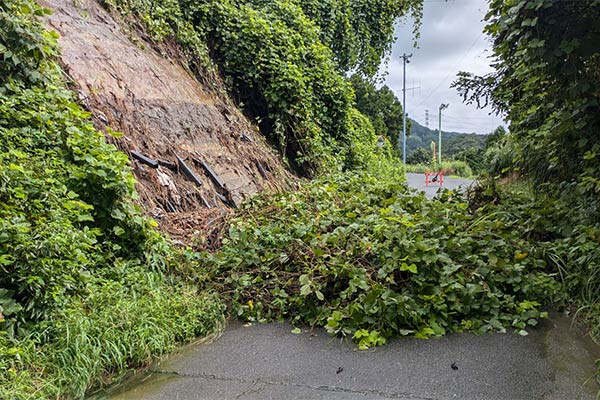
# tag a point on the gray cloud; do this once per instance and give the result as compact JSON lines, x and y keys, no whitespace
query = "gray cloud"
{"x":451,"y":41}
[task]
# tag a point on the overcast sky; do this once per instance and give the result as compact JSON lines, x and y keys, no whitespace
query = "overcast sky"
{"x":451,"y":41}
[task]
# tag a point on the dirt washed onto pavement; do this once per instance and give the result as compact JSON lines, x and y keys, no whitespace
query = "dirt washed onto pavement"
{"x":194,"y":154}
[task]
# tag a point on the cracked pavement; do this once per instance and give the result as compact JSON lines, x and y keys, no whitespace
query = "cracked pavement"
{"x":270,"y":362}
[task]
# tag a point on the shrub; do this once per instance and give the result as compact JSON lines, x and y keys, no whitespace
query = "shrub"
{"x":66,"y":197}
{"x":420,"y":156}
{"x":455,"y":167}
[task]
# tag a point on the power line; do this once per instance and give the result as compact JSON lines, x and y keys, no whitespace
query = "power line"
{"x":474,"y":118}
{"x":452,"y":70}
{"x":467,"y":119}
{"x":477,"y":125}
{"x":456,"y":121}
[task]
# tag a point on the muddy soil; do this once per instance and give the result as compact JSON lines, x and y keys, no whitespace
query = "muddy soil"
{"x":209,"y":156}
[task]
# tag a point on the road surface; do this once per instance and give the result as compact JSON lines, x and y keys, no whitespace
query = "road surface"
{"x":270,"y":362}
{"x":417,"y":181}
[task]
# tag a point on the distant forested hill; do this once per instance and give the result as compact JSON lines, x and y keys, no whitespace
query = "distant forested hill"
{"x":452,"y":142}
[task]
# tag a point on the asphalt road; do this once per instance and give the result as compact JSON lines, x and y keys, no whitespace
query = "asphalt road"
{"x":417,"y":181}
{"x":270,"y":362}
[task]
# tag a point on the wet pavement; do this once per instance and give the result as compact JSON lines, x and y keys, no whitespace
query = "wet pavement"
{"x":268,"y":361}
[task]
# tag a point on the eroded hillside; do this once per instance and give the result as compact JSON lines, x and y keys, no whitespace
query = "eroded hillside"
{"x":166,"y":116}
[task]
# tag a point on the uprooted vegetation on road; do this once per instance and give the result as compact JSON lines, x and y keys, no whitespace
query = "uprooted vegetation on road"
{"x":90,"y":288}
{"x":370,"y":259}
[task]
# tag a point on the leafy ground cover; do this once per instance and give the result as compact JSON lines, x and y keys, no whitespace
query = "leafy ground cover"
{"x":553,"y":145}
{"x":89,"y":289}
{"x":364,"y":257}
{"x":368,"y":258}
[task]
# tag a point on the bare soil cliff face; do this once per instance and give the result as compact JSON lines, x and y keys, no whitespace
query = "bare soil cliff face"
{"x":166,"y":116}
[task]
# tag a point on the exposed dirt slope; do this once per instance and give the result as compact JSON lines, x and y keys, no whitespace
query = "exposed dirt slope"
{"x":164,"y":113}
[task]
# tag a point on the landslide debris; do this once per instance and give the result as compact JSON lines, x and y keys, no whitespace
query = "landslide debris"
{"x":170,"y":122}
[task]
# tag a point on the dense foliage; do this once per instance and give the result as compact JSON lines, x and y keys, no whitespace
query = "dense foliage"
{"x":363,"y":256}
{"x":89,"y":290}
{"x":420,"y":156}
{"x":500,"y":153}
{"x":381,"y":106}
{"x":77,"y":258}
{"x":360,"y":32}
{"x":490,"y":159}
{"x":285,"y":63}
{"x":283,"y":75}
{"x":566,"y":230}
{"x":547,"y":81}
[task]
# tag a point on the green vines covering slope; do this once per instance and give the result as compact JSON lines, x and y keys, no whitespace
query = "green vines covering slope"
{"x":360,"y":32}
{"x":283,"y":74}
{"x":76,"y":255}
{"x":285,"y":67}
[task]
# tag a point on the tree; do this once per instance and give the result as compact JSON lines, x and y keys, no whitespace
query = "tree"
{"x":495,"y":137}
{"x":473,"y":157}
{"x":381,"y":106}
{"x":360,"y":32}
{"x":547,"y":81}
{"x":419,"y":156}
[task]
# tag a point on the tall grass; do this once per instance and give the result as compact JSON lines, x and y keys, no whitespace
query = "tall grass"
{"x":454,"y":167}
{"x":567,"y":225}
{"x":103,"y":337}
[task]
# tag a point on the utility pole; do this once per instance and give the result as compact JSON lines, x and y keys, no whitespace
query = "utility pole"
{"x":442,"y":107}
{"x":427,"y":118}
{"x":405,"y":59}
